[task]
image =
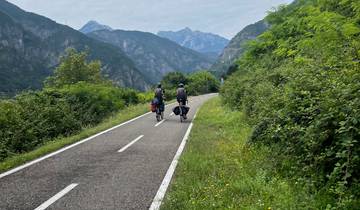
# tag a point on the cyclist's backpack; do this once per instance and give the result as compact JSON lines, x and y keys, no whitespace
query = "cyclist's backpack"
{"x":153,"y":104}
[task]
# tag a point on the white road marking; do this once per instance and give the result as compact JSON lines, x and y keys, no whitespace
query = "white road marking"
{"x":131,"y":143}
{"x":170,"y":172}
{"x":159,"y":123}
{"x":70,"y":146}
{"x":56,"y":197}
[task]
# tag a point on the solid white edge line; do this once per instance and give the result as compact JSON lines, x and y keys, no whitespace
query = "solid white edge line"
{"x":131,"y":143}
{"x":155,"y":205}
{"x":14,"y":170}
{"x":56,"y":197}
{"x":159,"y":123}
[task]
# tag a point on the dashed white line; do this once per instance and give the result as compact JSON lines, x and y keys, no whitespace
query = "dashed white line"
{"x":159,"y":123}
{"x":56,"y":197}
{"x":66,"y":148}
{"x":70,"y":146}
{"x":131,"y":143}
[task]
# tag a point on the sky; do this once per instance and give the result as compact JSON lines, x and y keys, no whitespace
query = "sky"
{"x":223,"y":17}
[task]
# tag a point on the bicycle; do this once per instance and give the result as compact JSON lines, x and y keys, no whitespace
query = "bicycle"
{"x":182,"y":116}
{"x":159,"y":113}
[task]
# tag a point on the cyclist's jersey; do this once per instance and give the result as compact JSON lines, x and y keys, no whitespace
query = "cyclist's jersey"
{"x":181,"y":95}
{"x":159,"y":94}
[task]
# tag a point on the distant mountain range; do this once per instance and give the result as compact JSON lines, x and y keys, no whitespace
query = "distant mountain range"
{"x":207,"y":43}
{"x":237,"y":46}
{"x":31,"y":45}
{"x":94,"y":26}
{"x":155,"y":56}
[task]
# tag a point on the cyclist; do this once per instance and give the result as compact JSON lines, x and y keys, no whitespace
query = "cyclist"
{"x":181,"y":96}
{"x":160,"y":95}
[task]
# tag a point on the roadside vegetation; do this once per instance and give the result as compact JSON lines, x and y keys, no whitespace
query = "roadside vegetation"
{"x":201,"y":82}
{"x":75,"y":98}
{"x":221,"y":170}
{"x":298,"y":86}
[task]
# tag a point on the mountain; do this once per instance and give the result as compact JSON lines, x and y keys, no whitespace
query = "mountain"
{"x":94,"y":26}
{"x":207,"y":43}
{"x":31,"y":46}
{"x":237,"y":45}
{"x":155,"y":56}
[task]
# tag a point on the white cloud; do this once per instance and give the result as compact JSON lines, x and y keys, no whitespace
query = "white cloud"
{"x":226,"y":17}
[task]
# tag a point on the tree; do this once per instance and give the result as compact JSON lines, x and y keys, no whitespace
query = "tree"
{"x":75,"y":68}
{"x":202,"y":82}
{"x":173,"y":79}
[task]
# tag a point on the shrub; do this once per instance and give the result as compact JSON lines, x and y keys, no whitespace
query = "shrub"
{"x":298,"y":83}
{"x":197,"y":83}
{"x":202,"y":82}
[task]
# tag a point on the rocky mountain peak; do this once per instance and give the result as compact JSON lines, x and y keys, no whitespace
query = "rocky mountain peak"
{"x":92,"y":26}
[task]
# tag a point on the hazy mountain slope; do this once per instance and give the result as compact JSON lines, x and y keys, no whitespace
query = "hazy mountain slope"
{"x":236,"y":46}
{"x":153,"y":55}
{"x":42,"y":41}
{"x":20,"y":66}
{"x":207,"y":43}
{"x":94,"y":26}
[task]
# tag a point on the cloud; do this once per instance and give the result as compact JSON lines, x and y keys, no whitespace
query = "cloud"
{"x":226,"y":17}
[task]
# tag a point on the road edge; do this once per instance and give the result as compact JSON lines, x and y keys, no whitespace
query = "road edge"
{"x":158,"y":199}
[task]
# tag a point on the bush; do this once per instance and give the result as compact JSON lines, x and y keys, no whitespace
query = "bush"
{"x":197,"y":83}
{"x":75,"y":97}
{"x":202,"y":82}
{"x":298,"y":83}
{"x":34,"y":118}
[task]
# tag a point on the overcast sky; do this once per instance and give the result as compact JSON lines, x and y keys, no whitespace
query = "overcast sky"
{"x":224,"y":17}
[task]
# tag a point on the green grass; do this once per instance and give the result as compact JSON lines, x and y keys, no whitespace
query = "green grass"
{"x":122,"y":116}
{"x":218,"y":170}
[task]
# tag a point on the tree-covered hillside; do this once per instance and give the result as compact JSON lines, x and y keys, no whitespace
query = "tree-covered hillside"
{"x":31,"y":46}
{"x":299,"y":86}
{"x":153,"y":55}
{"x":237,"y":47}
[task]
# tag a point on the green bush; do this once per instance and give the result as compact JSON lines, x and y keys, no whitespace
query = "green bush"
{"x":197,"y":83}
{"x":202,"y":82}
{"x":299,"y":85}
{"x":75,"y":97}
{"x":33,"y":118}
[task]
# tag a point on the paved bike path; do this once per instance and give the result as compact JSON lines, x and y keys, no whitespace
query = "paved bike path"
{"x":95,"y":175}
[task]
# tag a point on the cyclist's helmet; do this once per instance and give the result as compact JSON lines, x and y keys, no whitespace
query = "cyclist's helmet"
{"x":159,"y":85}
{"x":181,"y":85}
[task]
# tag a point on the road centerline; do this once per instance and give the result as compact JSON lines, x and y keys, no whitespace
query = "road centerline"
{"x":159,"y":123}
{"x":56,"y":197}
{"x":131,"y":143}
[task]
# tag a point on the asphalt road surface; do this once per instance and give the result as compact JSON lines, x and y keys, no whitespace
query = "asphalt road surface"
{"x":120,"y":169}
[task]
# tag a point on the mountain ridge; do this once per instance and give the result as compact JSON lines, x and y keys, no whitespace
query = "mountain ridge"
{"x":42,"y":42}
{"x":206,"y":43}
{"x":153,"y":54}
{"x":92,"y":26}
{"x":237,"y":47}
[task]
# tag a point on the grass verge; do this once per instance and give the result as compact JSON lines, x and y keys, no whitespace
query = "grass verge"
{"x":218,"y":170}
{"x":51,"y":146}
